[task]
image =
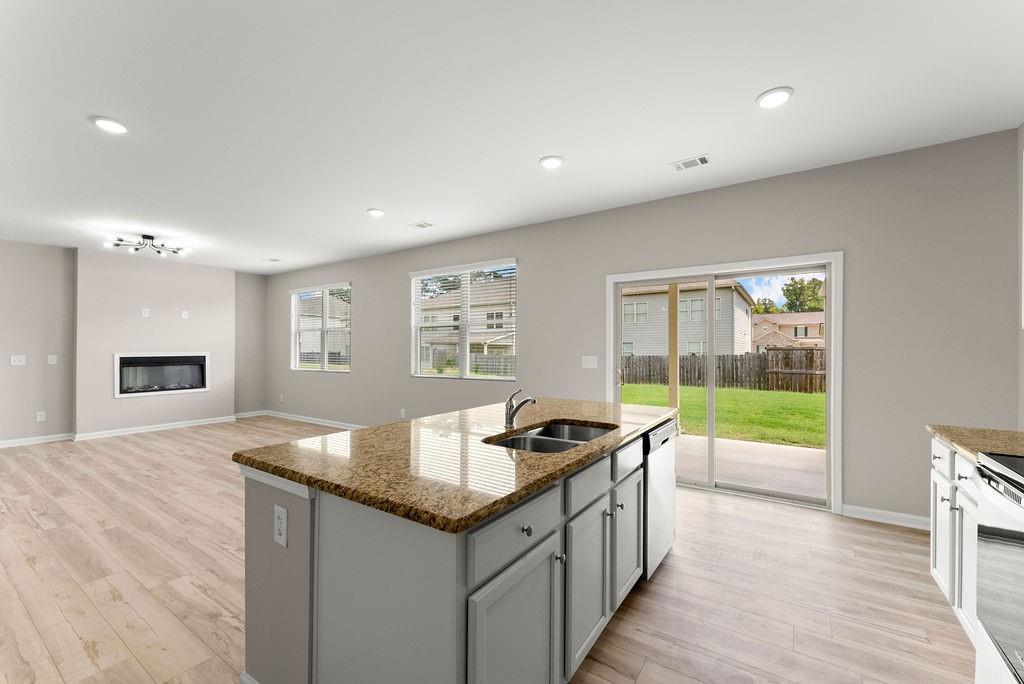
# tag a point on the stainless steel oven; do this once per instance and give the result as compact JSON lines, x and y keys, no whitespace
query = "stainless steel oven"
{"x":1001,"y":556}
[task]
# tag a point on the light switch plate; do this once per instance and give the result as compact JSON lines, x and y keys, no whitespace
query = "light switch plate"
{"x":52,"y":359}
{"x":184,"y":315}
{"x":18,"y":360}
{"x":589,"y":361}
{"x":281,"y":526}
{"x":40,"y":416}
{"x":145,"y":313}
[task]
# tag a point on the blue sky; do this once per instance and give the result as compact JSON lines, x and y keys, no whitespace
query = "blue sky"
{"x":771,"y":286}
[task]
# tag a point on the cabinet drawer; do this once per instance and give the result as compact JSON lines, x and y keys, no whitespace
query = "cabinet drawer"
{"x":966,"y":476}
{"x":498,"y":543}
{"x":627,"y":459}
{"x":942,"y":459}
{"x":587,"y":485}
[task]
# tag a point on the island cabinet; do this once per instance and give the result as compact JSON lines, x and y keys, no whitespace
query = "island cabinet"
{"x":587,"y":580}
{"x":627,"y":536}
{"x":954,"y":532}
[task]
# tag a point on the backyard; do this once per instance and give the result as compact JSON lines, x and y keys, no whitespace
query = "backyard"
{"x":796,"y":418}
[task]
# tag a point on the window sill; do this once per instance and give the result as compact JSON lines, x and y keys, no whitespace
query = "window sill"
{"x":319,"y":370}
{"x":488,"y":378}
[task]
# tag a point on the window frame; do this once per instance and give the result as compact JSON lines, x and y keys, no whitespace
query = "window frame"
{"x":293,"y":361}
{"x":684,"y":310}
{"x":632,"y":312}
{"x":630,"y":352}
{"x":797,"y":328}
{"x":463,"y":321}
{"x":703,"y":310}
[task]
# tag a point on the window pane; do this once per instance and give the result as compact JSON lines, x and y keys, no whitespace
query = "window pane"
{"x":684,"y":310}
{"x":339,"y":355}
{"x":641,"y":312}
{"x":696,"y":309}
{"x":310,"y":309}
{"x":437,"y":298}
{"x":627,"y":313}
{"x":492,"y":322}
{"x":308,"y":349}
{"x":339,"y":307}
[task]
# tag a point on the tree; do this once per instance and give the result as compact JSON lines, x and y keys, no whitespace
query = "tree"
{"x":764,"y":305}
{"x":803,"y":295}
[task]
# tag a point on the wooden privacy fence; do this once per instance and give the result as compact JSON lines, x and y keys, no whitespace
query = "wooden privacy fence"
{"x":777,"y":368}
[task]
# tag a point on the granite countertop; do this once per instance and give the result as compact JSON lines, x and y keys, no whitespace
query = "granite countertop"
{"x":969,"y":441}
{"x":437,"y":471}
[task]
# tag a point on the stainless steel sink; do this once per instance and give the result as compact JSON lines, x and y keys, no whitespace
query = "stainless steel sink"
{"x":530,"y":442}
{"x":573,"y":433}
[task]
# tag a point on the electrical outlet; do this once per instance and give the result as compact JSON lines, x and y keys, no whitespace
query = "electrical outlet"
{"x":589,"y":361}
{"x":52,"y":359}
{"x":40,"y":416}
{"x":145,"y":313}
{"x":281,"y":525}
{"x":184,"y":315}
{"x":403,"y":413}
{"x":18,"y":360}
{"x":282,"y":398}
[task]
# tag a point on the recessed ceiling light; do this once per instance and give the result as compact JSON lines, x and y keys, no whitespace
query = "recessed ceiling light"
{"x":375,"y":213}
{"x":775,"y":97}
{"x":108,"y":125}
{"x":551,"y":162}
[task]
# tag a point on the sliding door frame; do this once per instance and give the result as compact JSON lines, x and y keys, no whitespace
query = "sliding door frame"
{"x":833,"y":262}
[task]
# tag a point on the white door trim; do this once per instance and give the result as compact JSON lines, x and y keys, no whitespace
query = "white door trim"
{"x":833,"y":262}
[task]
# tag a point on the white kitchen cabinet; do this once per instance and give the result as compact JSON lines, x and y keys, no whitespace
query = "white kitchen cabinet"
{"x":965,"y":598}
{"x":942,"y":514}
{"x":515,"y":621}
{"x":627,"y":536}
{"x":587,"y":580}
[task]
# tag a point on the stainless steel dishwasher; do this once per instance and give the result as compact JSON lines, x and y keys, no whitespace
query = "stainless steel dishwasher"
{"x":659,"y":494}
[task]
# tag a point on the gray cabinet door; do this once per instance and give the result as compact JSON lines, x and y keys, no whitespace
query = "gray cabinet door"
{"x":627,"y":536}
{"x":587,"y":581}
{"x":515,"y":621}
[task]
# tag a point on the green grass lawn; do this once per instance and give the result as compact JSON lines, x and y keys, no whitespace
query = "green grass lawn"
{"x":752,"y":415}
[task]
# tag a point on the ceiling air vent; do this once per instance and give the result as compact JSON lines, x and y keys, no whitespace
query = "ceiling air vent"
{"x":690,"y":163}
{"x":421,"y":224}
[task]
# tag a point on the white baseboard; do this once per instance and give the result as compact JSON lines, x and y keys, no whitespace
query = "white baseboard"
{"x":315,"y":421}
{"x":246,"y":678}
{"x":41,"y":439}
{"x":151,"y":428}
{"x":918,"y":522}
{"x":250,"y":414}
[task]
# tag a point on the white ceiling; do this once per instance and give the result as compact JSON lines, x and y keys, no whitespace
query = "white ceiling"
{"x":266,"y":128}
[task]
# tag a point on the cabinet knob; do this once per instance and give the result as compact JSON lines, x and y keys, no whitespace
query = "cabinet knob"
{"x":963,"y":477}
{"x":528,"y":530}
{"x":936,"y":458}
{"x":943,"y":498}
{"x":560,"y":558}
{"x":610,"y":514}
{"x":621,"y":506}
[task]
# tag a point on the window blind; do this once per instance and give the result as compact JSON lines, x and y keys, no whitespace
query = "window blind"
{"x":464,"y":322}
{"x":322,"y":328}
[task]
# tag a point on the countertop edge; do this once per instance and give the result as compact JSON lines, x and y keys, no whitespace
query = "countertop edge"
{"x":436,"y":520}
{"x":969,"y":441}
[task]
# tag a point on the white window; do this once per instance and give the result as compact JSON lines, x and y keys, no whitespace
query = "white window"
{"x":684,"y":310}
{"x":634,"y":312}
{"x":322,"y":328}
{"x":697,"y":310}
{"x":800,"y":331}
{"x":695,"y":347}
{"x":464,"y":321}
{"x":718,"y":308}
{"x":627,"y":348}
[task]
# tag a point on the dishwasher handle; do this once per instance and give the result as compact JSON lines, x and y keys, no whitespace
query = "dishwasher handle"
{"x":659,"y":436}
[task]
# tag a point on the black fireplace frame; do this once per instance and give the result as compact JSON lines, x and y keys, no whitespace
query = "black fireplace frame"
{"x":122,"y":360}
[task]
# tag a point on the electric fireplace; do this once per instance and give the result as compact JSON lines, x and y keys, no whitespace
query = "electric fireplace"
{"x":151,"y":374}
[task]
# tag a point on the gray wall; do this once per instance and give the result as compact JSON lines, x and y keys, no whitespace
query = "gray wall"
{"x":112,"y":290}
{"x":37,"y":318}
{"x":250,"y":342}
{"x":929,"y":225}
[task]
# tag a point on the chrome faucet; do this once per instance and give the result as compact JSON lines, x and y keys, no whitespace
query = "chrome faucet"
{"x":512,"y":408}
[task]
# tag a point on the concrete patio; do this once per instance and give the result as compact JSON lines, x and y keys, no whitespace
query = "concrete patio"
{"x":792,"y":470}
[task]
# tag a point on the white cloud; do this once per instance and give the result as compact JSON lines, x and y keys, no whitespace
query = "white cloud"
{"x":771,"y":287}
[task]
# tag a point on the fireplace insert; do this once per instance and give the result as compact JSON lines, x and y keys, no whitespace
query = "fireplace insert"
{"x":140,"y":375}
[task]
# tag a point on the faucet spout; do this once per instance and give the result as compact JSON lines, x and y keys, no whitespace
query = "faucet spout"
{"x":512,"y":408}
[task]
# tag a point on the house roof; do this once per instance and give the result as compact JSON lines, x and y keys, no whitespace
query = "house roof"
{"x":690,"y":287}
{"x":794,"y":318}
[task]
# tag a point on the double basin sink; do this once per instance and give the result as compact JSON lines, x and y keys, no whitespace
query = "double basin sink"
{"x":552,"y":438}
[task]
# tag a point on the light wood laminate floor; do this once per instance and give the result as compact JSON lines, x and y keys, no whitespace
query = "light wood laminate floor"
{"x":121,"y":560}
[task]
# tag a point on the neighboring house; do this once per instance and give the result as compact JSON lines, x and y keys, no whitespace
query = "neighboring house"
{"x":802,"y":329}
{"x":645,"y":319}
{"x":491,"y":324}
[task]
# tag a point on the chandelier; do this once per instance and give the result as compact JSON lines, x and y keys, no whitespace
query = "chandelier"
{"x":147,"y":242}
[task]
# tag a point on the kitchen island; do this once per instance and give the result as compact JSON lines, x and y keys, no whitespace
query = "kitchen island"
{"x":425,"y":551}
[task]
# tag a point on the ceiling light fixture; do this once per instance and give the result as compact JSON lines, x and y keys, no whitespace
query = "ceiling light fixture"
{"x":147,"y":242}
{"x":108,"y":125}
{"x":776,"y":97}
{"x":375,"y":213}
{"x":551,"y":162}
